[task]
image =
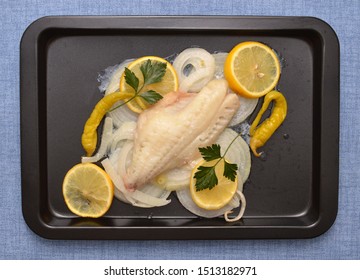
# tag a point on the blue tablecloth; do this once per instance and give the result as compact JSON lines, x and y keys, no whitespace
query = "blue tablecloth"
{"x":17,"y":241}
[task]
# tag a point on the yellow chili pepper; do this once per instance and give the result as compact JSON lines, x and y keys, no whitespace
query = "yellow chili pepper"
{"x":261,"y":134}
{"x":89,"y":136}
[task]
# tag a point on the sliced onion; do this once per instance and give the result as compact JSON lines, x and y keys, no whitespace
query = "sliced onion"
{"x":244,"y":130}
{"x":187,"y":85}
{"x":106,"y":138}
{"x":247,"y":105}
{"x":124,"y":158}
{"x":113,"y":75}
{"x":120,"y":189}
{"x":137,"y":197}
{"x":185,"y":199}
{"x":242,"y":209}
{"x":125,"y":132}
{"x":148,"y":200}
{"x":195,"y":59}
{"x":220,"y":58}
{"x":159,"y":196}
{"x":175,"y":179}
{"x":121,"y":193}
{"x":111,"y":82}
{"x":147,"y":196}
{"x":122,"y":114}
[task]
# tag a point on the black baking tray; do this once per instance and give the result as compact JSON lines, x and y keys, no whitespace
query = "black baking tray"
{"x":291,"y":194}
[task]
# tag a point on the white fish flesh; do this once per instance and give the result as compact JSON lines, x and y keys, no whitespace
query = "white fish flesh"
{"x":169,"y":134}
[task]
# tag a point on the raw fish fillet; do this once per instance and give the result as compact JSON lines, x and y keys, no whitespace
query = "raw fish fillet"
{"x":169,"y":134}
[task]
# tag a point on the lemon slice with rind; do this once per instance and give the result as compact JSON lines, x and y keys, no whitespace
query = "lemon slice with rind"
{"x":252,"y":69}
{"x":218,"y":196}
{"x":88,"y":191}
{"x":168,"y":83}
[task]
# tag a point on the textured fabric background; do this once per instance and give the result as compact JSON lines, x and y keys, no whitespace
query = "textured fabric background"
{"x":17,"y":241}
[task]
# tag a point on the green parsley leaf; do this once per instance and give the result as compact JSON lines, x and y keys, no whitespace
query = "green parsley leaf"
{"x":131,"y":79}
{"x":230,"y":170}
{"x":205,"y":175}
{"x":210,"y":153}
{"x":205,"y":178}
{"x":153,"y":72}
{"x":151,"y":96}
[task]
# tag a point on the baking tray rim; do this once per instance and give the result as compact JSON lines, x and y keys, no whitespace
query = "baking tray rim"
{"x":329,"y":121}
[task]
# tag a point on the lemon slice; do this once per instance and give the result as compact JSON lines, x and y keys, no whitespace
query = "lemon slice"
{"x":88,"y":191}
{"x":252,"y":69}
{"x":218,"y":196}
{"x":168,"y":83}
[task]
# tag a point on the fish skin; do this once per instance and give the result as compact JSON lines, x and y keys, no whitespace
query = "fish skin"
{"x":168,"y":132}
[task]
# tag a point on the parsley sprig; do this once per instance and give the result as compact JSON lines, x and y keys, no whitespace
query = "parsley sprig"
{"x":152,"y":72}
{"x":205,"y":176}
